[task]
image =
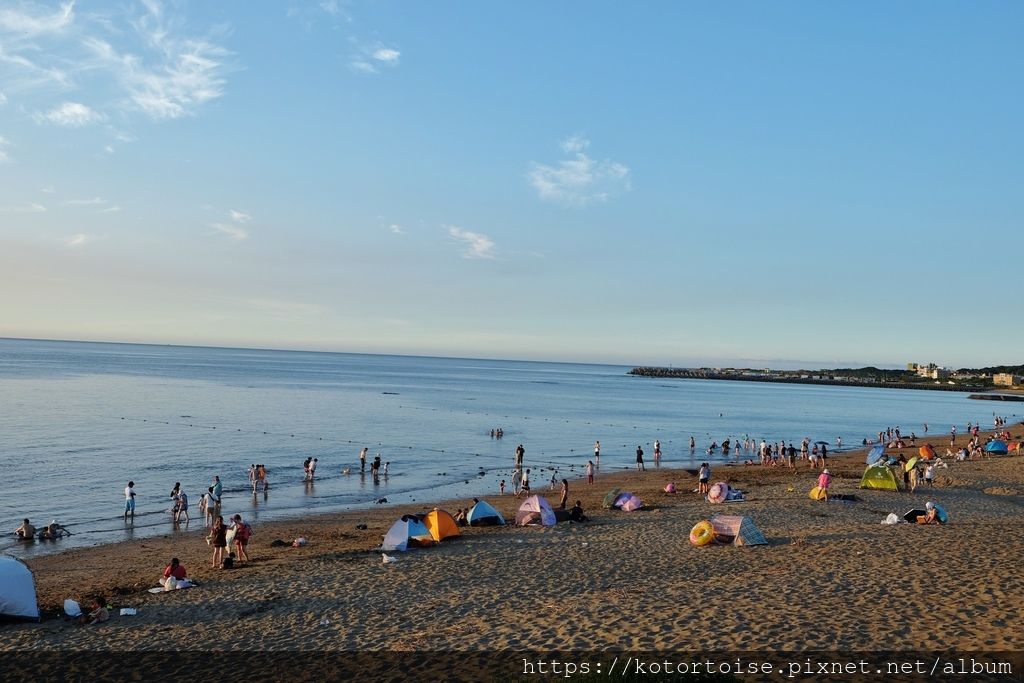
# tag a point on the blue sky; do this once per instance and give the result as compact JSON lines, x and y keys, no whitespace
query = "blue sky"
{"x":683,"y":183}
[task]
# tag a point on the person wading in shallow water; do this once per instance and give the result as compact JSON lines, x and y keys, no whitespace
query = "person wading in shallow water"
{"x":639,"y":459}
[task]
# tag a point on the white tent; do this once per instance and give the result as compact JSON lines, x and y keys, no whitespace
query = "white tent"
{"x":17,"y":590}
{"x":405,"y":532}
{"x":535,"y":510}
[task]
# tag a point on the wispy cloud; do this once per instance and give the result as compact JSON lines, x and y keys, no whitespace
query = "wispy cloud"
{"x":31,"y":207}
{"x":396,"y":228}
{"x":3,"y":99}
{"x":579,"y":180}
{"x":70,"y":115}
{"x":110,"y":209}
{"x":239,"y":216}
{"x":78,"y":240}
{"x":158,"y":68}
{"x":26,"y":20}
{"x":476,"y":245}
{"x":368,"y":59}
{"x":49,"y":189}
{"x":4,"y":144}
{"x":95,"y":201}
{"x":233,"y":231}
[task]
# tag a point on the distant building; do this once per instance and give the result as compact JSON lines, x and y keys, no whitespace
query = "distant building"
{"x":929,"y":371}
{"x":1006,"y":379}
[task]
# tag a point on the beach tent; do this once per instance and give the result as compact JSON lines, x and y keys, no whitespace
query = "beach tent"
{"x":627,"y":502}
{"x":875,"y":454}
{"x":535,"y":510}
{"x":926,"y":451}
{"x":17,"y":590}
{"x":1015,"y":446}
{"x":609,"y":498}
{"x":408,"y":532}
{"x":482,"y":514}
{"x":880,"y":477}
{"x":441,"y":525}
{"x":737,"y":530}
{"x":718,"y":493}
{"x":996,"y":447}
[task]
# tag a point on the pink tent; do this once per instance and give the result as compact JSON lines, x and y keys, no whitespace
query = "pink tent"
{"x":535,"y":510}
{"x":627,"y":502}
{"x":718,"y":493}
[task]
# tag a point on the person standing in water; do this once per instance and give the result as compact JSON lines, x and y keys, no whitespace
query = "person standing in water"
{"x":657,"y":451}
{"x":520,"y":452}
{"x":693,"y":445}
{"x":129,"y":500}
{"x":597,"y":452}
{"x":362,"y":460}
{"x":639,"y":459}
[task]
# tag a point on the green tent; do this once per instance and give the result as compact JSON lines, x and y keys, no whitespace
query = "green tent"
{"x":881,"y":477}
{"x":609,"y":499}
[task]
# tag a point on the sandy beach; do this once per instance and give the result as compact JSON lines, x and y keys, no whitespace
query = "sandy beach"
{"x":831,"y":578}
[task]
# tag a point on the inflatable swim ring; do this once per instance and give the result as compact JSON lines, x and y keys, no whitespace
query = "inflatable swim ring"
{"x":702,"y":534}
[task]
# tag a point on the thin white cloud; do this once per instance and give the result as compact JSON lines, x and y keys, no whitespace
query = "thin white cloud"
{"x":360,"y":65}
{"x":71,"y":115}
{"x":239,"y":216}
{"x":31,"y":207}
{"x":579,"y":180}
{"x":26,"y":23}
{"x":4,"y":144}
{"x":95,"y":201}
{"x":49,"y":189}
{"x":110,"y":209}
{"x":476,"y":245}
{"x":3,"y":99}
{"x":387,"y":56}
{"x":77,"y":240}
{"x":232,"y":231}
{"x":396,"y":228}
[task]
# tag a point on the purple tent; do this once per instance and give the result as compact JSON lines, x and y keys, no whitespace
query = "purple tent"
{"x":627,"y":502}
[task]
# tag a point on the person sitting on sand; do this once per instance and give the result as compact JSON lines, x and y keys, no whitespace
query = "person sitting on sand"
{"x":935,"y":515}
{"x":173,"y":573}
{"x":460,"y":517}
{"x":53,"y":531}
{"x":25,"y":532}
{"x":824,"y":481}
{"x":229,"y":562}
{"x":99,"y":612}
{"x":576,"y":513}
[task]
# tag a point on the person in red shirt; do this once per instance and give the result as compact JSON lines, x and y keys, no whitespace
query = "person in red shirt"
{"x":173,"y":573}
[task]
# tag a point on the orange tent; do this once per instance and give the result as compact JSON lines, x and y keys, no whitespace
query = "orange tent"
{"x":441,"y":525}
{"x":926,"y":451}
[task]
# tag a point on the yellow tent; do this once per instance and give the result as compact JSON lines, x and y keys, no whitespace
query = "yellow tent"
{"x":441,"y":525}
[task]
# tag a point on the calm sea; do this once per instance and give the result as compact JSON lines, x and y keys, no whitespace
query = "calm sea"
{"x":79,"y":420}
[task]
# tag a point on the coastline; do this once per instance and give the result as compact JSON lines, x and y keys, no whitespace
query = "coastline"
{"x":677,"y":373}
{"x":572,"y":576}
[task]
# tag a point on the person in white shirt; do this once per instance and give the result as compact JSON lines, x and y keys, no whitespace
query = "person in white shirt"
{"x":129,"y":500}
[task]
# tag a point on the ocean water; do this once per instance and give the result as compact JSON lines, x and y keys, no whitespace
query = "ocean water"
{"x":79,"y":420}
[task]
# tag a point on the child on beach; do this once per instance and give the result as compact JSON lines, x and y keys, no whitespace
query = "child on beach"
{"x":590,"y":472}
{"x":703,"y":477}
{"x":501,"y":487}
{"x":99,"y":612}
{"x":824,"y":480}
{"x":929,"y":474}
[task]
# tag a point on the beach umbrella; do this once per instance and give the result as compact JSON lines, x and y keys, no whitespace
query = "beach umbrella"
{"x":718,"y":493}
{"x":911,"y":463}
{"x":821,"y":443}
{"x":609,"y":499}
{"x":875,"y":454}
{"x":926,"y":451}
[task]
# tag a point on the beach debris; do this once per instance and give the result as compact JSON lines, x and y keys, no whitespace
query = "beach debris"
{"x":893,"y":518}
{"x":381,"y":501}
{"x":388,"y":559}
{"x":361,"y":527}
{"x":325,"y":622}
{"x":128,"y":612}
{"x":299,"y":542}
{"x":278,"y":543}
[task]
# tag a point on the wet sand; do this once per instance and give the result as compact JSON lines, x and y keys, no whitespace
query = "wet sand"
{"x":831,"y":578}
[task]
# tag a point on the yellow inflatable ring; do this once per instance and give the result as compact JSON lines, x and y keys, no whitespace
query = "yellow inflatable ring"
{"x":702,"y":534}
